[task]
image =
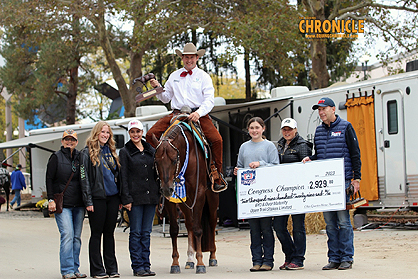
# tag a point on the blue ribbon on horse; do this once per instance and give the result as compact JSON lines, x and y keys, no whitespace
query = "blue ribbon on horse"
{"x":179,"y":194}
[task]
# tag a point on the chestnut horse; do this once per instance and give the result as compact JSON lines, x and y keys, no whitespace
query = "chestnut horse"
{"x":200,"y":207}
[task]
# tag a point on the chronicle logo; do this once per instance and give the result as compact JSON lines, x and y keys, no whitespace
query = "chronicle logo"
{"x":337,"y":28}
{"x":248,"y":177}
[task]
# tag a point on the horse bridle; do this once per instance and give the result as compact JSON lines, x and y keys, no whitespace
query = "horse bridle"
{"x":177,"y":159}
{"x":177,"y":171}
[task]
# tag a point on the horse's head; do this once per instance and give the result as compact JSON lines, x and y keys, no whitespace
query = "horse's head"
{"x":167,"y":163}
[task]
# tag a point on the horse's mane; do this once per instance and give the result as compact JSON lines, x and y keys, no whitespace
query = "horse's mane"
{"x":173,"y":132}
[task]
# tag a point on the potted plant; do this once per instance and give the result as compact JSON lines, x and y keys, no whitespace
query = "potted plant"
{"x":43,"y":206}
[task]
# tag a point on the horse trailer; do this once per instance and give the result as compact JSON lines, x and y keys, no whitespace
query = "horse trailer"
{"x":392,"y":134}
{"x":41,"y":143}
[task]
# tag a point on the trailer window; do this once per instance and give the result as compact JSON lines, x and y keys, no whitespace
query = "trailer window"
{"x":120,"y":141}
{"x":392,"y":107}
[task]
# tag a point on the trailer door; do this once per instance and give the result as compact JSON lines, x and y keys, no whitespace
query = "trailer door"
{"x":393,"y":142}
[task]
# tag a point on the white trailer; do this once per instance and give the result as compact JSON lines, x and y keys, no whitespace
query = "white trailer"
{"x":395,"y":98}
{"x":41,"y":143}
{"x":394,"y":112}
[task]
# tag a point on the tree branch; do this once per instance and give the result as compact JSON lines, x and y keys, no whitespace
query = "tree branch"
{"x":388,"y":31}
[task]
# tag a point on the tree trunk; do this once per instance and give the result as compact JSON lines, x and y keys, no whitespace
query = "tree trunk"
{"x":72,"y":96}
{"x":128,"y":98}
{"x":73,"y":73}
{"x":319,"y":73}
{"x":134,"y":72}
{"x":247,"y":76}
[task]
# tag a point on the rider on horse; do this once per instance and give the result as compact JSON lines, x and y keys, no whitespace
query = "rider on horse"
{"x":192,"y":87}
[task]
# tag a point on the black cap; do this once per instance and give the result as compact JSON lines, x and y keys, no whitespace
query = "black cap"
{"x":324,"y":102}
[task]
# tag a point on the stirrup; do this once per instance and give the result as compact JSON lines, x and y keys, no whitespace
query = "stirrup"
{"x":220,"y":187}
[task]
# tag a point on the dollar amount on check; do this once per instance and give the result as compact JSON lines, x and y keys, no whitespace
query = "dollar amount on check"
{"x":291,"y":189}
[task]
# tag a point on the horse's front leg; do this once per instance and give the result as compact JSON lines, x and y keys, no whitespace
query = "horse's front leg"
{"x":174,"y":231}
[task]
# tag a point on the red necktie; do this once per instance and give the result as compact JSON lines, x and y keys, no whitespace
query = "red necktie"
{"x":183,"y":74}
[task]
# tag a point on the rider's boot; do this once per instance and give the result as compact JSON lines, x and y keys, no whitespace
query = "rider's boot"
{"x":220,"y":183}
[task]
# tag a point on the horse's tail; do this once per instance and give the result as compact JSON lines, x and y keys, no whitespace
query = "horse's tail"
{"x":209,"y":221}
{"x":207,"y":244}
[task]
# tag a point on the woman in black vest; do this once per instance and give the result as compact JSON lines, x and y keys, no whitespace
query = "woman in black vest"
{"x":60,"y":166}
{"x":292,"y":148}
{"x":139,"y":196}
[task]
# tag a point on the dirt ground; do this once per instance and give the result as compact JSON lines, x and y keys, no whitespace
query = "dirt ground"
{"x":29,"y":245}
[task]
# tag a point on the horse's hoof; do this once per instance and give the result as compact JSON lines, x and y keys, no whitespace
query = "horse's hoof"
{"x":213,"y":262}
{"x":200,"y":269}
{"x":175,"y":269}
{"x":189,"y":265}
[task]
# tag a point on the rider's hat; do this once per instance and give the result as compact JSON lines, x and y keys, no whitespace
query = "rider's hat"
{"x":190,"y":48}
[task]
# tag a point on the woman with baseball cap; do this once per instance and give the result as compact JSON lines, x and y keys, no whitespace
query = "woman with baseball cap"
{"x":140,"y":195}
{"x":60,"y":166}
{"x":292,"y":148}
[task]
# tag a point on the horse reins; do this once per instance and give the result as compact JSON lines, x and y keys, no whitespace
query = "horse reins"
{"x":177,"y":170}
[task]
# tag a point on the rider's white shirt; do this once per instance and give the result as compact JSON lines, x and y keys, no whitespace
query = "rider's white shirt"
{"x":194,"y":91}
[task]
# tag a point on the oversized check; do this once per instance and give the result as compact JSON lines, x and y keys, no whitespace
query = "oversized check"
{"x":294,"y":188}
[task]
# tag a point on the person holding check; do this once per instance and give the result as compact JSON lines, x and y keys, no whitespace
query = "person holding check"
{"x":292,"y":148}
{"x":336,"y":138}
{"x":255,"y":153}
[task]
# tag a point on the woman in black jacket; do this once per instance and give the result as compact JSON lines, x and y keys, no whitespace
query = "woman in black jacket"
{"x":62,"y":166}
{"x":99,"y":168}
{"x":140,"y":195}
{"x":292,"y":148}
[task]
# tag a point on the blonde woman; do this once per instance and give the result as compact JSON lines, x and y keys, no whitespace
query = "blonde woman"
{"x":99,"y":168}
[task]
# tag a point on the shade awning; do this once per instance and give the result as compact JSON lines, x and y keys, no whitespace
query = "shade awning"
{"x":26,"y":141}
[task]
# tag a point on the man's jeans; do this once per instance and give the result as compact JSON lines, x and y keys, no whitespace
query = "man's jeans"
{"x":141,"y":218}
{"x":340,"y":234}
{"x":262,"y":241}
{"x":70,"y":225}
{"x":16,"y":199}
{"x":294,"y":250}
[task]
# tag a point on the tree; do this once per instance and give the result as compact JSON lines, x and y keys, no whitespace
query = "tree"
{"x":153,"y":25}
{"x":43,"y":48}
{"x":400,"y":33}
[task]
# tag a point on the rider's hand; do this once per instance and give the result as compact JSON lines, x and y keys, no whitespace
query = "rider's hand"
{"x":154,"y":83}
{"x":194,"y":116}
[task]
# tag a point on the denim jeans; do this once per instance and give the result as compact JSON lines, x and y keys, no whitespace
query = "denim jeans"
{"x":340,"y":234}
{"x":262,"y":241}
{"x":16,"y":199}
{"x":70,"y":225}
{"x":294,"y":250}
{"x":141,"y":218}
{"x":102,"y":223}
